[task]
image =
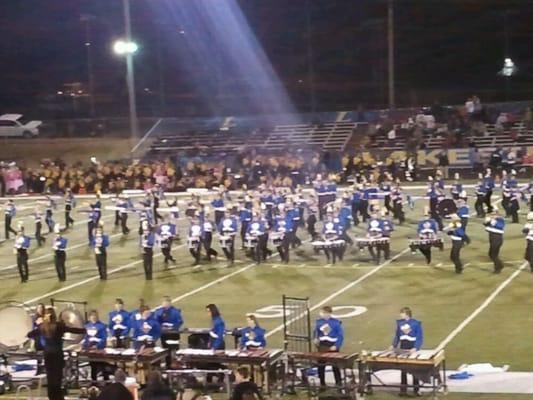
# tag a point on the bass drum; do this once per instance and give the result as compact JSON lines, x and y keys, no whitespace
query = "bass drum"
{"x":446,"y":207}
{"x":72,"y":317}
{"x":15,"y":323}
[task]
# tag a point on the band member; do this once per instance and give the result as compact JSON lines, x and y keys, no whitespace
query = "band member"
{"x":116,"y":199}
{"x":218,"y":206}
{"x":167,"y":232}
{"x":253,"y":336}
{"x":92,"y":223}
{"x":367,"y":194}
{"x":388,"y":228}
{"x":345,"y":217}
{"x":147,"y":244}
{"x":433,"y":193}
{"x":427,"y":230}
{"x":194,"y":239}
{"x":96,"y":338}
{"x":293,"y":213}
{"x":51,"y":332}
{"x":59,"y":246}
{"x":409,"y":338}
{"x":257,"y":232}
{"x":157,"y":193}
{"x":100,"y":244}
{"x":457,"y":187}
{"x":119,"y":324}
{"x":228,"y":229}
{"x":463,"y":211}
{"x":375,"y":232}
{"x":245,"y":216}
{"x":170,"y":319}
{"x":508,"y":185}
{"x":495,"y":225}
{"x":97,"y":208}
{"x":328,"y":336}
{"x":488,"y":182}
{"x":397,"y":203}
{"x":124,"y":204}
{"x":22,"y":243}
{"x":146,"y":330}
{"x":457,"y":234}
{"x":38,"y":219}
{"x":207,"y":238}
{"x":49,"y":213}
{"x":281,"y":225}
{"x":528,"y":188}
{"x":481,"y":195}
{"x":37,"y":319}
{"x":312,"y":212}
{"x":528,"y":231}
{"x":174,"y":214}
{"x":332,"y":233}
{"x":70,"y":203}
{"x":514,"y":204}
{"x":9,"y":213}
{"x":218,"y":328}
{"x":356,"y":203}
{"x":321,"y":191}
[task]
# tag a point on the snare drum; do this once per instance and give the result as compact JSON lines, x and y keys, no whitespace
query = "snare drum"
{"x":250,"y":242}
{"x":319,"y":245}
{"x":277,"y":238}
{"x":193,"y":242}
{"x":225,"y":241}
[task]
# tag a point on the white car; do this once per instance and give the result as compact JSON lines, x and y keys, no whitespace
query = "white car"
{"x":13,"y":125}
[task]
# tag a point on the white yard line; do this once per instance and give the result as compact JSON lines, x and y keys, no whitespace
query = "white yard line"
{"x":480,"y":309}
{"x":341,"y":290}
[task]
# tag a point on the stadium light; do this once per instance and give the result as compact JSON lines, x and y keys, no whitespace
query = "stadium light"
{"x":509,"y":67}
{"x":122,"y":47}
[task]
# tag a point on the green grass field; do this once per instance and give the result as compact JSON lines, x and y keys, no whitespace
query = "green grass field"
{"x":499,"y":334}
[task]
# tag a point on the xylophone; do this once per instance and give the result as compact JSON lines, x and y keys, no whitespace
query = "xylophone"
{"x":303,"y":361}
{"x":270,"y":363}
{"x":415,"y":244}
{"x":136,"y":362}
{"x":426,"y":365}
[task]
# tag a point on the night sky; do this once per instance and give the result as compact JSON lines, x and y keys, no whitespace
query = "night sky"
{"x":445,"y":51}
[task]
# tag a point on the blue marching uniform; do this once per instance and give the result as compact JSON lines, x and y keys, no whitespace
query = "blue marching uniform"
{"x":59,"y":246}
{"x":488,"y":184}
{"x":22,"y":243}
{"x":119,"y":326}
{"x":329,"y":337}
{"x":481,"y":195}
{"x":96,"y":336}
{"x":333,"y":232}
{"x":70,"y":203}
{"x":146,"y":332}
{"x":50,"y":206}
{"x":457,"y":234}
{"x":408,"y":335}
{"x":100,"y":243}
{"x":171,"y":321}
{"x":216,"y":334}
{"x":245,"y":216}
{"x":167,"y":232}
{"x":375,"y":230}
{"x":147,"y":244}
{"x":228,"y":228}
{"x":257,"y":231}
{"x":252,"y":338}
{"x":10,"y":211}
{"x":495,"y":226}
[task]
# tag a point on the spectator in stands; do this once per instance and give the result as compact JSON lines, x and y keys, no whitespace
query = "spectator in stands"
{"x":501,"y":123}
{"x":444,"y":163}
{"x":496,"y":159}
{"x":117,"y":390}
{"x":475,"y":160}
{"x":469,"y":106}
{"x":391,"y":136}
{"x":156,"y":389}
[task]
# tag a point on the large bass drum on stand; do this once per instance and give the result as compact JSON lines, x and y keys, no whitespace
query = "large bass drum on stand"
{"x":15,"y":323}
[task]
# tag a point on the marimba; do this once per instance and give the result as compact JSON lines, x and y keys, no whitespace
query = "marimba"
{"x":426,"y":365}
{"x":136,"y":362}
{"x":270,"y":363}
{"x":345,"y":362}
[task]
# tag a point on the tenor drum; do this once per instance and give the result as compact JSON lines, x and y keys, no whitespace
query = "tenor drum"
{"x":250,"y":242}
{"x":225,"y":241}
{"x":276,"y":238}
{"x":193,"y":242}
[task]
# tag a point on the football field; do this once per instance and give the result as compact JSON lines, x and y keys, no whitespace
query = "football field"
{"x":477,"y":316}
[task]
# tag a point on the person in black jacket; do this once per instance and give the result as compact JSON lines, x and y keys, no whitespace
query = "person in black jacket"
{"x":50,"y":332}
{"x":244,"y":388}
{"x":117,"y":390}
{"x":156,"y":389}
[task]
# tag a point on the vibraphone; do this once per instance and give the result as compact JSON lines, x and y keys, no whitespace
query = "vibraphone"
{"x":135,"y":362}
{"x":345,"y":362}
{"x":426,"y":365}
{"x":270,"y":363}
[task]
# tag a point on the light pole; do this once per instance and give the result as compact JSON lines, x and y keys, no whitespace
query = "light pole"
{"x":128,"y":48}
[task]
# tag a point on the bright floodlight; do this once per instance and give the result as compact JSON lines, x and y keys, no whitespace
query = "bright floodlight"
{"x":509,"y":67}
{"x":122,"y":47}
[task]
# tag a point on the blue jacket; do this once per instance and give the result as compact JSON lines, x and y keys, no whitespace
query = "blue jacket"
{"x":294,"y":214}
{"x":252,"y":337}
{"x":345,"y":217}
{"x":148,"y":240}
{"x":169,"y":318}
{"x":332,"y":229}
{"x":119,"y":322}
{"x":147,"y":330}
{"x":281,"y":224}
{"x":408,"y":334}
{"x":488,"y":182}
{"x":216,"y":334}
{"x":329,"y":332}
{"x":375,"y":227}
{"x":218,"y":205}
{"x":427,"y":227}
{"x":481,"y":189}
{"x":96,"y":336}
{"x":100,"y":241}
{"x":495,"y":225}
{"x":457,"y":234}
{"x":22,"y":242}
{"x":456,"y":188}
{"x":370,"y":193}
{"x":256,"y":228}
{"x":463,"y":211}
{"x":228,"y":226}
{"x":60,"y":243}
{"x":245,"y":215}
{"x":388,"y":227}
{"x":10,"y":210}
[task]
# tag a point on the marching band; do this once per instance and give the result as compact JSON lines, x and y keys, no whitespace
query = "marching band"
{"x":272,"y":216}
